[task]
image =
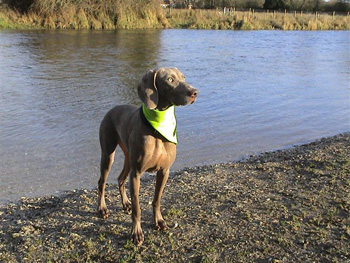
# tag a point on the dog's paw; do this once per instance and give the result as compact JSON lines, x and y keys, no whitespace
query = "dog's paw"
{"x":103,"y":212}
{"x":137,"y":236}
{"x":161,"y":225}
{"x":127,"y":207}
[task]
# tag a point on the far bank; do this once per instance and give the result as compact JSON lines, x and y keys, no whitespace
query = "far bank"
{"x":127,"y":15}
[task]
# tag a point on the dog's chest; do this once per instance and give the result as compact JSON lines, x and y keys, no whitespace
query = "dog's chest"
{"x":161,"y":156}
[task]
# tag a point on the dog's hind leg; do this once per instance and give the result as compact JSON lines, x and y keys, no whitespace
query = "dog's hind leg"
{"x":108,"y":141}
{"x":122,"y":179}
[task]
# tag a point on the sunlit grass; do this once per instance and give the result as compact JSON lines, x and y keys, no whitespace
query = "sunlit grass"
{"x":251,"y":20}
{"x":86,"y":14}
{"x":109,"y":14}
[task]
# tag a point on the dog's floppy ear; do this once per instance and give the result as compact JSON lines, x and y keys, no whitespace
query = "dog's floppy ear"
{"x":147,"y":90}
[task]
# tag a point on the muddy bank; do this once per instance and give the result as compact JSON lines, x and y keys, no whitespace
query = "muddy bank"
{"x":285,"y":206}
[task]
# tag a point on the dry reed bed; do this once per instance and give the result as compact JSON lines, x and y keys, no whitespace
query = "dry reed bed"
{"x":88,"y":14}
{"x":251,"y":20}
{"x":85,"y":14}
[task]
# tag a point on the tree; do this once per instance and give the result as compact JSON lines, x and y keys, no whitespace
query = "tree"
{"x":274,"y":4}
{"x":296,"y":4}
{"x":20,"y":5}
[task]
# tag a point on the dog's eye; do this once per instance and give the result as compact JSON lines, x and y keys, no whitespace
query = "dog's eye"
{"x":170,"y":79}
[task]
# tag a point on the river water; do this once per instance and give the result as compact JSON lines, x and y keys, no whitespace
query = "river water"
{"x":259,"y":91}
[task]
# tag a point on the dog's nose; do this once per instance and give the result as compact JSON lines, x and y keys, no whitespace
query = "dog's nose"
{"x":194,"y":93}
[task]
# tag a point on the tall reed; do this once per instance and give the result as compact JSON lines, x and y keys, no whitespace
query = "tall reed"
{"x":112,"y":14}
{"x":251,"y":20}
{"x":91,"y":14}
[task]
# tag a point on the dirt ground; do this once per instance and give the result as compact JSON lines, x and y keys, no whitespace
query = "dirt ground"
{"x":286,"y":206}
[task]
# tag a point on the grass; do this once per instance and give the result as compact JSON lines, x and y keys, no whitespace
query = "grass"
{"x":84,"y":14}
{"x":109,"y":14}
{"x":251,"y":20}
{"x":10,"y":19}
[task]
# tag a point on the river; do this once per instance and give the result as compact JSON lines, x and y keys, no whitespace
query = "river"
{"x":259,"y":91}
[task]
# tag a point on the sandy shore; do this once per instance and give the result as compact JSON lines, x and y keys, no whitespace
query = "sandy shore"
{"x":285,"y":206}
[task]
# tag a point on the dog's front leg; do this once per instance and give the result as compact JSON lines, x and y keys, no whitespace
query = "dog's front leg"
{"x":136,"y":233}
{"x":106,"y":164}
{"x":162,"y":177}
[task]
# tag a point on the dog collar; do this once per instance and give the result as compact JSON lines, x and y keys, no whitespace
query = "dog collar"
{"x":162,"y":121}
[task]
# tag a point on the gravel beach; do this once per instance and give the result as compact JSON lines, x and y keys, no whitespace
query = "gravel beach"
{"x":290,"y":205}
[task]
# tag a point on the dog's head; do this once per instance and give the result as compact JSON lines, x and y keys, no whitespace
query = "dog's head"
{"x":165,"y":87}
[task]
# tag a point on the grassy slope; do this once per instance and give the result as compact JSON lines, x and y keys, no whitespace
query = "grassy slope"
{"x":143,"y":14}
{"x":85,"y":14}
{"x":209,"y":19}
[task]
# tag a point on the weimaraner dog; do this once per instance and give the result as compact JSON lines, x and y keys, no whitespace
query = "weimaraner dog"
{"x":145,"y":147}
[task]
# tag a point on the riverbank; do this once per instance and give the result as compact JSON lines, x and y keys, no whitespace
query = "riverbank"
{"x":85,"y":14}
{"x":286,"y":206}
{"x":252,"y":20}
{"x":130,"y":15}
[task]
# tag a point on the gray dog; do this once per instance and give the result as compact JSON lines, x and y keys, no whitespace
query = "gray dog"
{"x":147,"y":137}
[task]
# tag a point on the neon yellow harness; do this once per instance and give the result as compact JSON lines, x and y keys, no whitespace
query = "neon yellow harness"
{"x":162,"y":121}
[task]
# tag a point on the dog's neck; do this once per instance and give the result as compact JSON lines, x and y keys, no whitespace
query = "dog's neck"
{"x":163,"y":104}
{"x":163,"y":108}
{"x":163,"y":121}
